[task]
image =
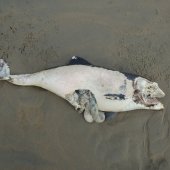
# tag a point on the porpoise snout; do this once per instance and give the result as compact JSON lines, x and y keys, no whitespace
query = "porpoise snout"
{"x":160,"y":94}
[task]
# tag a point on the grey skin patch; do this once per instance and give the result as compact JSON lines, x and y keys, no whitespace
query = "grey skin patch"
{"x":84,"y":101}
{"x":75,"y":60}
{"x":122,"y":88}
{"x":115,"y":96}
{"x":136,"y":97}
{"x":130,"y":76}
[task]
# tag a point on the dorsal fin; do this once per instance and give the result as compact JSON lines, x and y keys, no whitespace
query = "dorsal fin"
{"x":75,"y":60}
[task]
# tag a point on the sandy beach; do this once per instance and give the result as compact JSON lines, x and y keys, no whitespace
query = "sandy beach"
{"x":39,"y":130}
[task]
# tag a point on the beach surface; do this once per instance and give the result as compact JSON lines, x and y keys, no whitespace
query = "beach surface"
{"x":39,"y":130}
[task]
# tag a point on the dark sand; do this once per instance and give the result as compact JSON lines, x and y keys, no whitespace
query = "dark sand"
{"x":40,"y":131}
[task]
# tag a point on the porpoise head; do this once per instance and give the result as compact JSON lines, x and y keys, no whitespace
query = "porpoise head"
{"x":147,"y":91}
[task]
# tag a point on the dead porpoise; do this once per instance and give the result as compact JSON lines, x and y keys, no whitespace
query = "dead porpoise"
{"x":95,"y":91}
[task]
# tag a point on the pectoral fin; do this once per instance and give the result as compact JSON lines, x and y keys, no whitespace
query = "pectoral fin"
{"x":110,"y":115}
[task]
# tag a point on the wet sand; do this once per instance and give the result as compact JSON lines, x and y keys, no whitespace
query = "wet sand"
{"x":40,"y":131}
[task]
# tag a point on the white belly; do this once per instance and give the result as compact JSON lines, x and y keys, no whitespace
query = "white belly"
{"x":99,"y":81}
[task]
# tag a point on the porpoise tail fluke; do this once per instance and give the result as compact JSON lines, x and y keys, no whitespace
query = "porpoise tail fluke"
{"x":4,"y":70}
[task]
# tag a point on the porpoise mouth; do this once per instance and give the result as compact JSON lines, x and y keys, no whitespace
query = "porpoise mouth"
{"x":150,"y":101}
{"x":146,"y":100}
